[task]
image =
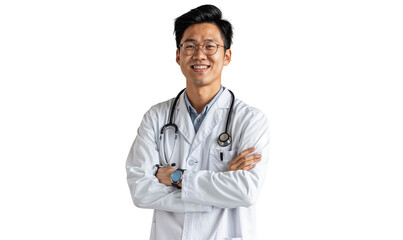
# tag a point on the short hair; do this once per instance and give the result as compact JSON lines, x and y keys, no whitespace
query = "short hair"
{"x":204,"y":14}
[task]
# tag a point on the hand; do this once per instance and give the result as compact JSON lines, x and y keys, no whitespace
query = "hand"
{"x":164,"y":175}
{"x":243,"y":162}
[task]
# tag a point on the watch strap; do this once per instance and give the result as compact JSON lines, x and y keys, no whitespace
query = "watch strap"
{"x":176,"y":185}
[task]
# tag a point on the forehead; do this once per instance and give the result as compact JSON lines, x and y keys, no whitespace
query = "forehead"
{"x":201,"y":32}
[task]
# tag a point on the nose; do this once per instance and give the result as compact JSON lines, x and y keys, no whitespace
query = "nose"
{"x":199,"y":54}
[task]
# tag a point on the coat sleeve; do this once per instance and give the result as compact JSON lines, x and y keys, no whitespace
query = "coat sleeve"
{"x":145,"y":189}
{"x":232,"y":189}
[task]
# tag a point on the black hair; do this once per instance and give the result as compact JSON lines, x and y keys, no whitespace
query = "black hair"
{"x":204,"y":14}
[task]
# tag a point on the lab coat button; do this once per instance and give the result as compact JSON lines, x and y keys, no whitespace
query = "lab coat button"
{"x":191,"y":162}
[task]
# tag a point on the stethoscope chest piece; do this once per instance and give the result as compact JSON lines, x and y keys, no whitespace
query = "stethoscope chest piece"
{"x":224,"y":139}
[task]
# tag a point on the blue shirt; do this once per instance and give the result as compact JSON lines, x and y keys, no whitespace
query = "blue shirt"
{"x":196,"y":118}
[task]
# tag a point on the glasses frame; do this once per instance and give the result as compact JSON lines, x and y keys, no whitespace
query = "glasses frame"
{"x":203,"y":48}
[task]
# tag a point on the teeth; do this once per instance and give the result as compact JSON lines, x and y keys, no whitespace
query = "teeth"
{"x":200,"y":67}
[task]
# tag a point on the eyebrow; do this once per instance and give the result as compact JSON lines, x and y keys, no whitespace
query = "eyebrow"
{"x":207,"y":40}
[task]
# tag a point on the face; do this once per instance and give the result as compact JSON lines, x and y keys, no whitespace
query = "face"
{"x":200,"y":69}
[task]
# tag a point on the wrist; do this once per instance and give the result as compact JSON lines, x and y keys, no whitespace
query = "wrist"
{"x":164,"y":175}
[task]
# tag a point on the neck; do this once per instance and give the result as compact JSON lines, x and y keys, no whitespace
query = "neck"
{"x":199,"y":97}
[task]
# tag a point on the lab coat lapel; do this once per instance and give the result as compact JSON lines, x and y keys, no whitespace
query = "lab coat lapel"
{"x":215,"y":115}
{"x":183,"y":121}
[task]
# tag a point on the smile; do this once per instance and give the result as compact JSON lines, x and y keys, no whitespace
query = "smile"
{"x":200,"y":67}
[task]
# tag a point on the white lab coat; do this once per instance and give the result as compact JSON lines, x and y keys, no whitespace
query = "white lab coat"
{"x":213,"y":203}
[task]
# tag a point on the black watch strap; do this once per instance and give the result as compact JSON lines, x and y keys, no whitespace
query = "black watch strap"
{"x":158,"y":168}
{"x":176,"y":185}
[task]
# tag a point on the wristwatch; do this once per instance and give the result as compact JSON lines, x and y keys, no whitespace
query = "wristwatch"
{"x":176,"y":177}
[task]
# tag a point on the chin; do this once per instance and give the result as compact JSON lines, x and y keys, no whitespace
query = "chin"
{"x":200,"y":82}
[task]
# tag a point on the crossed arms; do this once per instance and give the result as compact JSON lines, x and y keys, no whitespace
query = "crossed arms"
{"x":238,"y":186}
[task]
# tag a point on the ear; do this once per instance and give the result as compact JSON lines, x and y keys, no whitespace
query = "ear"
{"x":177,"y":57}
{"x":227,"y":57}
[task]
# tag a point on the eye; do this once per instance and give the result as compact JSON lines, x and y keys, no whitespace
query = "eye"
{"x":189,"y":46}
{"x":210,"y":46}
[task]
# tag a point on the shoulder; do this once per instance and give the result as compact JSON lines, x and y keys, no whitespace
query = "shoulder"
{"x":155,"y":117}
{"x":247,"y":118}
{"x":247,"y":111}
{"x":159,"y":110}
{"x":251,"y":124}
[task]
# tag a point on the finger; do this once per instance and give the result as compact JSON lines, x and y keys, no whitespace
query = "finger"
{"x":249,"y":163}
{"x":246,"y":167}
{"x":246,"y":159}
{"x":251,"y":157}
{"x":243,"y":153}
{"x":249,"y":167}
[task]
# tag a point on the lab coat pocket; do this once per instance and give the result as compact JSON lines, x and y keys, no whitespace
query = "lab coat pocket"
{"x":220,"y":159}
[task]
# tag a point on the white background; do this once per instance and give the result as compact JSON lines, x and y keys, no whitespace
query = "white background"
{"x":77,"y":77}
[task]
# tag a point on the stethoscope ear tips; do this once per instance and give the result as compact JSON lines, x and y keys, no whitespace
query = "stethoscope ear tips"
{"x":224,"y":139}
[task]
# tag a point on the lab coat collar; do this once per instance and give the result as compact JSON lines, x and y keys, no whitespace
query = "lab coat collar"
{"x":216,"y":114}
{"x":183,"y":121}
{"x":224,"y":101}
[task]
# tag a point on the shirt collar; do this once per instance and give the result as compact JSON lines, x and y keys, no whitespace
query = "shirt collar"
{"x":207,"y":107}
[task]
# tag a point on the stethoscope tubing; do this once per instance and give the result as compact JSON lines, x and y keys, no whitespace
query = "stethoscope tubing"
{"x":221,"y":142}
{"x":171,"y":115}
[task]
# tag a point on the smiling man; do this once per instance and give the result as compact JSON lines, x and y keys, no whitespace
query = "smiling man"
{"x":202,"y":68}
{"x":199,"y":160}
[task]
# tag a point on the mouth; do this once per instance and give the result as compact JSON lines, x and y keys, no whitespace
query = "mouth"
{"x":200,"y":67}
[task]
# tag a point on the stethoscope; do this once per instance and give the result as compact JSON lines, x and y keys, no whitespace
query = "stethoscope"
{"x":224,"y":139}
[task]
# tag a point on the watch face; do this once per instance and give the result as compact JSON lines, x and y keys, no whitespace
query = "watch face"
{"x":176,"y":176}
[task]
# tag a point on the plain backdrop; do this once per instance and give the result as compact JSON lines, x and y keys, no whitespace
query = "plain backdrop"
{"x":77,"y":77}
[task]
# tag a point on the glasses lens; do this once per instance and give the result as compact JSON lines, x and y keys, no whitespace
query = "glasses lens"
{"x":189,"y":48}
{"x":210,"y":48}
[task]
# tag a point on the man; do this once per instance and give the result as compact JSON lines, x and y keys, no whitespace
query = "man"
{"x":200,"y":187}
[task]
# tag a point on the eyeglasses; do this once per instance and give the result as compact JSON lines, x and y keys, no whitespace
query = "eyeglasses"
{"x":208,"y":48}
